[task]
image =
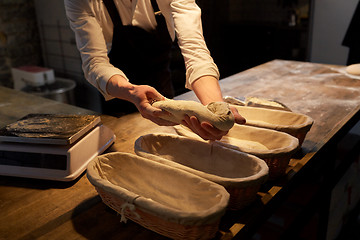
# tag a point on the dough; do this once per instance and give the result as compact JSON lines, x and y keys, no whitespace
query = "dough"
{"x":216,"y":113}
{"x":353,"y":69}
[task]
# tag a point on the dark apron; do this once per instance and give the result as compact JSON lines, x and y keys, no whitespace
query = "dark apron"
{"x":143,"y":56}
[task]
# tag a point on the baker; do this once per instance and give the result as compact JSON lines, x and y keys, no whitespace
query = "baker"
{"x":125,"y":49}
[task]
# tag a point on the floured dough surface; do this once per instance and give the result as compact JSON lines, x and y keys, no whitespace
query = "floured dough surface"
{"x":353,"y":69}
{"x":216,"y":113}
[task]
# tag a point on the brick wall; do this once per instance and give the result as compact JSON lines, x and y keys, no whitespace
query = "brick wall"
{"x":19,"y":37}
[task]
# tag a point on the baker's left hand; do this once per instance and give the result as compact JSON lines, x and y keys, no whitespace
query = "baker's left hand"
{"x":238,"y":118}
{"x":206,"y":130}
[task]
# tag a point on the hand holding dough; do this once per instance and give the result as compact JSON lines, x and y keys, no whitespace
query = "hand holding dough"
{"x":216,"y":113}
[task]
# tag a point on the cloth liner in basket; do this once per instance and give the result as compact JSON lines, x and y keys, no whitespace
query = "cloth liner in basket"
{"x":241,"y":174}
{"x":274,"y":147}
{"x":167,"y":200}
{"x":295,"y":124}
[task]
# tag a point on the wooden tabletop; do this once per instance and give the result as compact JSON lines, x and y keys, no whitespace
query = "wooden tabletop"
{"x":40,"y":209}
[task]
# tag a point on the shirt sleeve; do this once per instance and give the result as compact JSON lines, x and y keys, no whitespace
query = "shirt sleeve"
{"x":91,"y":44}
{"x":188,"y":28}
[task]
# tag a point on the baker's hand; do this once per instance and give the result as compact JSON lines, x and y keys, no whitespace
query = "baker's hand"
{"x":206,"y":130}
{"x":142,"y":97}
{"x":238,"y":118}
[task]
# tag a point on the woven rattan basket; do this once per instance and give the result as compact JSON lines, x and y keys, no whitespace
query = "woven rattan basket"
{"x":274,"y":147}
{"x":241,"y":174}
{"x":167,"y":200}
{"x":295,"y":124}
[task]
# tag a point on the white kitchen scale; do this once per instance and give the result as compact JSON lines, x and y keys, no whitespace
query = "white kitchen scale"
{"x":51,"y":146}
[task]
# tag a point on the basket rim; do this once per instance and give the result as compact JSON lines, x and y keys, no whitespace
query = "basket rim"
{"x":257,"y":178}
{"x":305,"y":126}
{"x":180,"y":216}
{"x":290,"y":149}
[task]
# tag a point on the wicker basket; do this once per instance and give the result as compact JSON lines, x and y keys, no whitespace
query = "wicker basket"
{"x":241,"y":174}
{"x":275,"y":147}
{"x":295,"y":124}
{"x":166,"y":200}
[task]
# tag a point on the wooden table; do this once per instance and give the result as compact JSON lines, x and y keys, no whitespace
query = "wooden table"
{"x":40,"y":209}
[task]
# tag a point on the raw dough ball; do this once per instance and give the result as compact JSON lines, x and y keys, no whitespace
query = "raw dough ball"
{"x":353,"y":69}
{"x":216,"y":113}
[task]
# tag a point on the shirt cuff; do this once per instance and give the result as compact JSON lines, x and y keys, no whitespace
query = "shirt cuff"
{"x":103,"y":80}
{"x":201,"y":70}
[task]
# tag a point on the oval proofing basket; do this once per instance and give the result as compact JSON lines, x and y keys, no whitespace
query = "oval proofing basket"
{"x":241,"y":174}
{"x":167,"y":200}
{"x":295,"y":124}
{"x":274,"y":147}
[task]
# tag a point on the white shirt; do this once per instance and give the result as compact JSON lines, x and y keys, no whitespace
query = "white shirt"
{"x":93,"y":29}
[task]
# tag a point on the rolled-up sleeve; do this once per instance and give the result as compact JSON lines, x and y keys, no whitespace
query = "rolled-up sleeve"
{"x":188,"y":28}
{"x":91,"y":43}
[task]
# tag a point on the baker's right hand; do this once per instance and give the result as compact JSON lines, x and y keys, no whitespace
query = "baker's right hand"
{"x":143,"y":96}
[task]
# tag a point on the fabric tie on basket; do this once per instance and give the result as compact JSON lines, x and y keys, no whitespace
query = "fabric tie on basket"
{"x":131,"y":208}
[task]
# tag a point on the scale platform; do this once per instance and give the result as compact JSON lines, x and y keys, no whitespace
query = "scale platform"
{"x":52,"y":147}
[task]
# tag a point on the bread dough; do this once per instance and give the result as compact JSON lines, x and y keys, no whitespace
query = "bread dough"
{"x":353,"y":69}
{"x":216,"y":113}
